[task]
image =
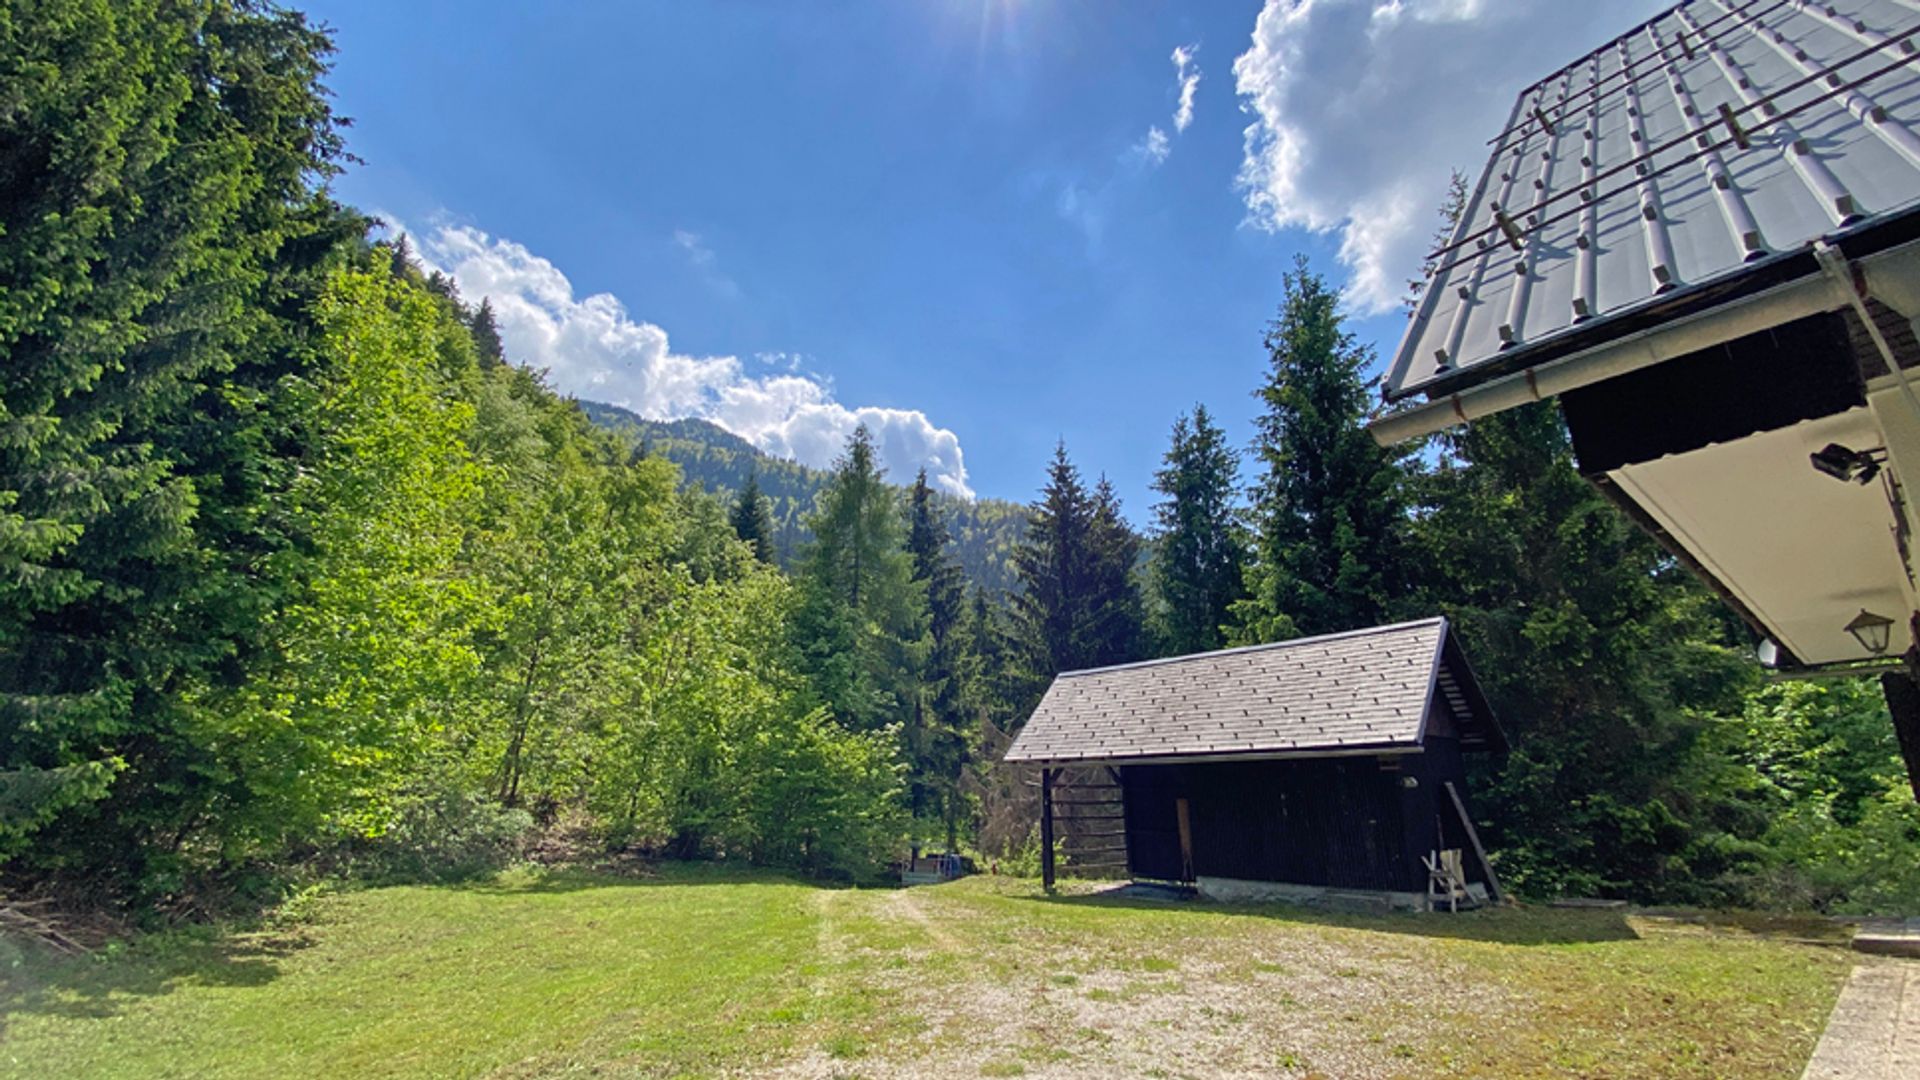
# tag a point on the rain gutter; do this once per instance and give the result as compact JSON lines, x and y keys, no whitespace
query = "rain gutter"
{"x":1811,"y":294}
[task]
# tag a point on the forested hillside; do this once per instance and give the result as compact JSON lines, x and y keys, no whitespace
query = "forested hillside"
{"x":716,"y":460}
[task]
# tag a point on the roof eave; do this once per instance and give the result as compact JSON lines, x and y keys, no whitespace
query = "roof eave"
{"x":1495,"y":736}
{"x":1682,"y":321}
{"x":1205,"y":757}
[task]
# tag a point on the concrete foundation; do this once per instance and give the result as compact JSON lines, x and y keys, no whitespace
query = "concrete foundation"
{"x":1239,"y":891}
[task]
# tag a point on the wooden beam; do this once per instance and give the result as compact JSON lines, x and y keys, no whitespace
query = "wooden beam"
{"x":1185,"y":822}
{"x":1473,"y":837}
{"x":1046,"y":829}
{"x":1903,"y":705}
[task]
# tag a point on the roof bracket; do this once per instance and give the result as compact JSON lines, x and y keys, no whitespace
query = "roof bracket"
{"x":1512,"y":231}
{"x":1853,"y":282}
{"x":1733,"y":127}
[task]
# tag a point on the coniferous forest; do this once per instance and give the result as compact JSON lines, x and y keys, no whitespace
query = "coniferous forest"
{"x":302,"y":575}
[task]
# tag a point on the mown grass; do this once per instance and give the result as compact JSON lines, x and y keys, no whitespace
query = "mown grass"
{"x":701,"y":971}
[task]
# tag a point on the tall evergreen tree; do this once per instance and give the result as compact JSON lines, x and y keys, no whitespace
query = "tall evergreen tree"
{"x":486,"y":334}
{"x":862,"y":619}
{"x":161,"y":236}
{"x":752,"y":519}
{"x":1451,"y":208}
{"x":1598,"y":652}
{"x":1199,"y":558}
{"x":940,"y":756}
{"x":1330,"y":507}
{"x":1115,"y":609}
{"x":400,"y":258}
{"x":1078,"y":606}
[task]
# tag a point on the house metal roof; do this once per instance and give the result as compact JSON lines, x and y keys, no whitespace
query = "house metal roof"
{"x":1714,"y":141}
{"x":1364,"y":691}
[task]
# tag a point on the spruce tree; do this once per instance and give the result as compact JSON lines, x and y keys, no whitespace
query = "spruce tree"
{"x":1114,"y":607}
{"x":1052,"y":563}
{"x":752,"y":519}
{"x":1198,"y":566}
{"x":1600,"y":655}
{"x":161,"y":238}
{"x":1077,"y":606}
{"x":1330,"y":507}
{"x":938,"y":761}
{"x":400,"y":259}
{"x":486,"y":334}
{"x":862,"y":619}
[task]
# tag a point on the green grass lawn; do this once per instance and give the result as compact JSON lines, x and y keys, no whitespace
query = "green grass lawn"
{"x":700,"y":971}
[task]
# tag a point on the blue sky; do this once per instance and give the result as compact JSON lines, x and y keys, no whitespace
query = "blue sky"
{"x":949,"y":219}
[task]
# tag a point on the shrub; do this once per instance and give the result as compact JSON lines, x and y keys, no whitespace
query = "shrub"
{"x":442,"y":834}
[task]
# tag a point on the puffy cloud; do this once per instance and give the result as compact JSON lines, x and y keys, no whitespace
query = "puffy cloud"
{"x":1362,"y":107}
{"x":592,"y":348}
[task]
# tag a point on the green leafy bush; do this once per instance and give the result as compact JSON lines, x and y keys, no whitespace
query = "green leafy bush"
{"x":442,"y":833}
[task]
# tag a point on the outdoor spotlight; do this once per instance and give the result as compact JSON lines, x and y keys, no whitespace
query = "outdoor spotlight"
{"x":1846,"y":463}
{"x":1873,"y":632}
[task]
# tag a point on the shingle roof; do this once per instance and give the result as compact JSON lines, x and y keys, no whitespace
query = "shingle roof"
{"x":1360,"y":690}
{"x":1707,"y":147}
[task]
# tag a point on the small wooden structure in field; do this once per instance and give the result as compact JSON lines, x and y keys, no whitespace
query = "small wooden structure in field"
{"x":1323,"y":768}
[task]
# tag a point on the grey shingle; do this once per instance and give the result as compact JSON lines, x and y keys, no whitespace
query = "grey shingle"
{"x":1360,"y":689}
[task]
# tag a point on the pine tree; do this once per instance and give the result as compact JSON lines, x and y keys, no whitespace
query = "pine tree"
{"x":1114,"y":607}
{"x":1198,"y":566}
{"x":1451,"y":208}
{"x":1330,"y":507}
{"x":862,"y":619}
{"x":1053,"y":565}
{"x":752,"y":519}
{"x":486,"y":334}
{"x":400,"y":259}
{"x":161,"y":237}
{"x":1077,"y":606}
{"x":937,"y":762}
{"x":1598,"y":653}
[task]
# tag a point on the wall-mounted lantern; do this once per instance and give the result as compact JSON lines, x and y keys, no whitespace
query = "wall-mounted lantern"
{"x":1873,"y":632}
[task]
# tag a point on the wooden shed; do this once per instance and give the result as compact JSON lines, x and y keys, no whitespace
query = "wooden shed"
{"x":1323,"y":765}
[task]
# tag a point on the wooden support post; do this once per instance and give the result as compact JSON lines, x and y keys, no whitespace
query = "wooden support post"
{"x":1046,"y":828}
{"x":1473,"y":837}
{"x":1184,"y":819}
{"x":1902,"y":690}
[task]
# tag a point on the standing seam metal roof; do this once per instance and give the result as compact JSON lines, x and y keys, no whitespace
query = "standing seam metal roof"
{"x":1367,"y":689}
{"x":1715,"y":136}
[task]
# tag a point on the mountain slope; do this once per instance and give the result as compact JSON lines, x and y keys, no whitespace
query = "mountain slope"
{"x":718,"y":461}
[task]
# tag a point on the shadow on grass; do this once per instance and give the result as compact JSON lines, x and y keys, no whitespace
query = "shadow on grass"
{"x":1501,"y":926}
{"x":37,"y":981}
{"x":643,"y":875}
{"x":34,"y":980}
{"x":100,"y":986}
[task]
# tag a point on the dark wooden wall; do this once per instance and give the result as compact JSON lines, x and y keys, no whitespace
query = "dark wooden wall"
{"x":1337,"y":822}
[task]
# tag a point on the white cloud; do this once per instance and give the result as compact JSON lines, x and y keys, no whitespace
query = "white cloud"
{"x":1362,"y":107}
{"x":1155,"y":146}
{"x":1189,"y":77}
{"x":704,"y":260}
{"x":592,"y":348}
